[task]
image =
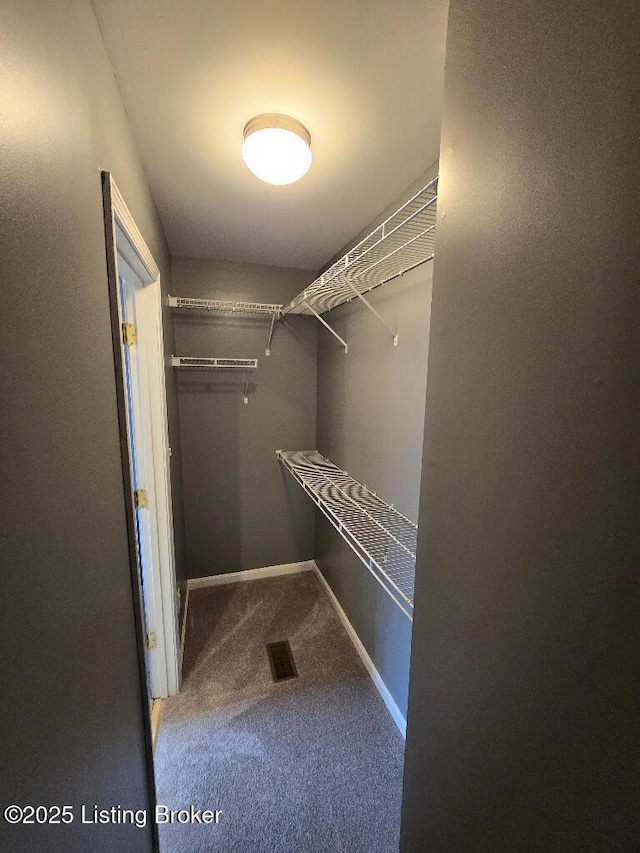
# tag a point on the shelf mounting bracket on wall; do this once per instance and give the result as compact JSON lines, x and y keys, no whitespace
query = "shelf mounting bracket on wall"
{"x":273,"y":322}
{"x":373,"y":310}
{"x":245,"y":396}
{"x":327,"y":326}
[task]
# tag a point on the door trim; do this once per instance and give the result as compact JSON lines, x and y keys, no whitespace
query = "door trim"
{"x":128,"y":243}
{"x":136,"y":591}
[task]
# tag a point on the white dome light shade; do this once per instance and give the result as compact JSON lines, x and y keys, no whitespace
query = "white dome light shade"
{"x":277,"y":149}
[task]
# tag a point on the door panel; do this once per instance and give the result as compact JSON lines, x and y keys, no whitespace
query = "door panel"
{"x":142,"y":477}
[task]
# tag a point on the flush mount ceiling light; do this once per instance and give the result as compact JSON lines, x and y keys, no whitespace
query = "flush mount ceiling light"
{"x":276,"y":148}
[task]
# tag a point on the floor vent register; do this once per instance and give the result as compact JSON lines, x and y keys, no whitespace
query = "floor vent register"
{"x":281,"y":661}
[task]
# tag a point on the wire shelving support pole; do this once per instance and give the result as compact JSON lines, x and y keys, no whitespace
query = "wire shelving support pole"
{"x":273,"y":321}
{"x":327,"y":326}
{"x":246,"y":388}
{"x":373,"y":311}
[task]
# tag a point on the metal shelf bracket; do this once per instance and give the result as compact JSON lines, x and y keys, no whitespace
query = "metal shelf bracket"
{"x":273,"y":322}
{"x":327,"y":326}
{"x":373,"y":311}
{"x":245,"y":396}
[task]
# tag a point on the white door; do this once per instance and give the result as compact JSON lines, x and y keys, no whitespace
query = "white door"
{"x":136,"y":303}
{"x":136,"y":377}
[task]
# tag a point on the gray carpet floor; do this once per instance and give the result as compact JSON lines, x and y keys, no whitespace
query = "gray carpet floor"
{"x":309,"y":764}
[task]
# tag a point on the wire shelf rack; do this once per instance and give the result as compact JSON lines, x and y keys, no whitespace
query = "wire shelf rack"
{"x":383,"y":538}
{"x":221,"y":307}
{"x":214,"y":363}
{"x":217,"y":306}
{"x":194,"y":363}
{"x":403,"y":241}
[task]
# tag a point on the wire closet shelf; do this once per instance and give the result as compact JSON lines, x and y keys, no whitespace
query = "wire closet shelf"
{"x":234,"y":364}
{"x":383,"y":538}
{"x":214,"y":363}
{"x":224,"y":307}
{"x":403,"y":241}
{"x":217,"y":306}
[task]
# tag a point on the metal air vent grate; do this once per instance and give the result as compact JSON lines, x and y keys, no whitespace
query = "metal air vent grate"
{"x":281,"y":661}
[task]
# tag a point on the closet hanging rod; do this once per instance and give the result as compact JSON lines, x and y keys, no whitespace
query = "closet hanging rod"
{"x":383,"y":539}
{"x":226,"y":307}
{"x":403,"y":241}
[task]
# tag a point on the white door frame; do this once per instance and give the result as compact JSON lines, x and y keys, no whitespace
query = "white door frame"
{"x":131,"y":251}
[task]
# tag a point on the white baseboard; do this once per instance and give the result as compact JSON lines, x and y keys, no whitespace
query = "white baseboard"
{"x":251,"y":574}
{"x":387,"y":698}
{"x":156,"y":718}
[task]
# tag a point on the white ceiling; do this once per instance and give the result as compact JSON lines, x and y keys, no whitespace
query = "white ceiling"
{"x":364,"y":76}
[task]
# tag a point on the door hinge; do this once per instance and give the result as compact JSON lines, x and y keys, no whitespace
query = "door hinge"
{"x":128,"y":334}
{"x":140,"y":498}
{"x":151,"y":640}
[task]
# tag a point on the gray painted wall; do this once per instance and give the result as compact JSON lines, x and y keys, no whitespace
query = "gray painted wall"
{"x":242,"y":509}
{"x":523,"y":710}
{"x":371,"y":424}
{"x":71,"y":716}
